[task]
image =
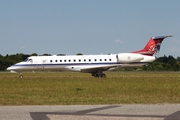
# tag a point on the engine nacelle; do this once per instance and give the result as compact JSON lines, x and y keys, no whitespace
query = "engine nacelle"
{"x":129,"y":57}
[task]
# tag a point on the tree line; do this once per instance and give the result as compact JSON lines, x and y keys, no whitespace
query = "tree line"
{"x":165,"y":63}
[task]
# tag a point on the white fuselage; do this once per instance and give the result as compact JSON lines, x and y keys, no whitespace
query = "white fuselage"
{"x":82,"y":63}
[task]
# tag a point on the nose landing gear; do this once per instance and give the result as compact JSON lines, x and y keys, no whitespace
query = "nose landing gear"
{"x":20,"y":75}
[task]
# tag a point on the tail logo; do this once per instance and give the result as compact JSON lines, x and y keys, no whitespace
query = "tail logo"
{"x":154,"y":47}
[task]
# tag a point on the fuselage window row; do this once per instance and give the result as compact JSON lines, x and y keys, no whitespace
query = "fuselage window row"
{"x":79,"y":60}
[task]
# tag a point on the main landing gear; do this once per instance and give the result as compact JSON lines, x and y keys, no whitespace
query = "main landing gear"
{"x":99,"y":75}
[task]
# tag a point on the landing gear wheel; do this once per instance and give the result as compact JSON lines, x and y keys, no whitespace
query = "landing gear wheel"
{"x":20,"y":76}
{"x":103,"y":75}
{"x":99,"y":75}
{"x":96,"y":75}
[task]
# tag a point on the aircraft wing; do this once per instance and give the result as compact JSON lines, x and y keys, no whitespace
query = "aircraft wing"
{"x":92,"y":69}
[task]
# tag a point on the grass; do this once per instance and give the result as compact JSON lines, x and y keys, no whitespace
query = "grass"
{"x":66,"y":88}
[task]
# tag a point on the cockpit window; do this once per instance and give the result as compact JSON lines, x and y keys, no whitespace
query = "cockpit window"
{"x":28,"y":60}
{"x":25,"y":60}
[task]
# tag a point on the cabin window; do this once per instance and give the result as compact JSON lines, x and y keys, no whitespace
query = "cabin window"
{"x":84,"y":60}
{"x":69,"y":60}
{"x":100,"y":59}
{"x":89,"y":60}
{"x":104,"y":59}
{"x":56,"y":60}
{"x":60,"y":60}
{"x":64,"y":60}
{"x":50,"y":60}
{"x":74,"y":60}
{"x":79,"y":60}
{"x":109,"y":59}
{"x":95,"y":60}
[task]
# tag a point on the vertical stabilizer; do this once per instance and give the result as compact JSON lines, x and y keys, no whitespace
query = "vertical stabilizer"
{"x":153,"y":46}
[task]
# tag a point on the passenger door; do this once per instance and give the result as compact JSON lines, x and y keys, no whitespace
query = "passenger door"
{"x":39,"y":64}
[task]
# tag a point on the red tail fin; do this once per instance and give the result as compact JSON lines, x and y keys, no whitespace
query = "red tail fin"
{"x":153,"y":46}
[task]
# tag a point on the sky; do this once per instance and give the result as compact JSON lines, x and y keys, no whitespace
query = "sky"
{"x":87,"y":26}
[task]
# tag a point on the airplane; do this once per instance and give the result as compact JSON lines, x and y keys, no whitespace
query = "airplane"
{"x":94,"y":64}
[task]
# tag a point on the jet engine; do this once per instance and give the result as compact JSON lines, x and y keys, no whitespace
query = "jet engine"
{"x":129,"y":57}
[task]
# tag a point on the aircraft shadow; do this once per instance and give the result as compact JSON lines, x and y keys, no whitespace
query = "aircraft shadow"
{"x":43,"y":115}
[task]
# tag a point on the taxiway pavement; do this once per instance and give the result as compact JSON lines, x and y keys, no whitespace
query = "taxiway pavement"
{"x":92,"y":112}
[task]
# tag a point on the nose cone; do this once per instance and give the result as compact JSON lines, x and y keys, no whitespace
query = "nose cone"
{"x":9,"y":68}
{"x":12,"y":70}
